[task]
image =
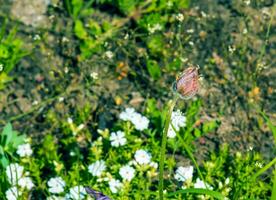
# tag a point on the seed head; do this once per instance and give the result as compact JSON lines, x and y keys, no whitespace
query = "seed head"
{"x":187,"y":84}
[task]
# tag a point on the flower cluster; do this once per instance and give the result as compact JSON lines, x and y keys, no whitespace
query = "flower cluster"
{"x":140,"y":122}
{"x":19,"y":182}
{"x":127,"y":172}
{"x":178,"y":120}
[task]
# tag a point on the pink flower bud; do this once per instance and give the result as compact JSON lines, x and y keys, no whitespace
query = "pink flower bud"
{"x":187,"y":85}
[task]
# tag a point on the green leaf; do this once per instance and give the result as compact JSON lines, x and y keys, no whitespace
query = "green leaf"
{"x":126,"y":6}
{"x":153,"y":69}
{"x":156,"y":44}
{"x":183,"y":4}
{"x":197,"y":133}
{"x":4,"y":52}
{"x":7,"y":134}
{"x":209,"y":126}
{"x":5,"y":162}
{"x":4,"y":78}
{"x":273,"y":195}
{"x":18,"y":140}
{"x":80,"y":30}
{"x":270,"y":125}
{"x":76,"y":5}
{"x":198,"y":191}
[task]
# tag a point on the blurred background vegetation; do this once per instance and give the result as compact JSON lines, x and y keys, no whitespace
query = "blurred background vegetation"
{"x":89,"y":59}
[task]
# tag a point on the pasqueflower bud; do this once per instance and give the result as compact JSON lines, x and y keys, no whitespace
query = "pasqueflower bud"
{"x":187,"y":84}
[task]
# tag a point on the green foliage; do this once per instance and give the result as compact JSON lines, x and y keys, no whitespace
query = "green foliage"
{"x":126,"y":6}
{"x":153,"y":69}
{"x":9,"y":141}
{"x":240,"y":169}
{"x":11,"y":51}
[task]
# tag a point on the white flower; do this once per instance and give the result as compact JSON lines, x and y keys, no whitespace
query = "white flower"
{"x":37,"y":37}
{"x":140,"y":122}
{"x":109,"y":54}
{"x":26,"y":182}
{"x":97,"y":168}
{"x":127,"y":172}
{"x":114,"y":185}
{"x":24,"y":150}
{"x":12,"y":193}
{"x":76,"y":193}
{"x":56,"y":185}
{"x":1,"y":67}
{"x":127,"y":114}
{"x":227,"y":181}
{"x":179,"y":17}
{"x":14,"y":172}
{"x":247,"y":2}
{"x":94,"y":75}
{"x":53,"y":197}
{"x":200,"y":184}
{"x":171,"y":132}
{"x":154,"y":165}
{"x":117,"y":139}
{"x":70,"y":120}
{"x":178,"y":120}
{"x":184,"y":173}
{"x":142,"y":157}
{"x":155,"y":27}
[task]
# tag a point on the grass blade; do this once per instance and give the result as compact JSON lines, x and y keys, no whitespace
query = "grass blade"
{"x":214,"y":194}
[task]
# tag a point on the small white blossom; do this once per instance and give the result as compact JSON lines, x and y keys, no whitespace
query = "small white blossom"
{"x":190,"y":31}
{"x":155,"y":27}
{"x":115,"y":185}
{"x":245,"y":31}
{"x":127,"y":172}
{"x":179,"y":17}
{"x":94,"y":75}
{"x":140,"y":122}
{"x":24,"y":150}
{"x":178,"y":120}
{"x":53,"y":197}
{"x":37,"y":37}
{"x":227,"y":181}
{"x":169,"y":4}
{"x":64,"y":39}
{"x":80,"y":127}
{"x":70,"y":120}
{"x":61,"y":99}
{"x":142,"y":157}
{"x":247,"y":2}
{"x":117,"y":139}
{"x":127,"y":115}
{"x":97,"y":168}
{"x":154,"y":165}
{"x":184,"y":173}
{"x":109,"y":54}
{"x":26,"y":182}
{"x":12,"y":193}
{"x":76,"y":193}
{"x":200,"y":184}
{"x":56,"y":185}
{"x":1,"y":67}
{"x":14,"y":172}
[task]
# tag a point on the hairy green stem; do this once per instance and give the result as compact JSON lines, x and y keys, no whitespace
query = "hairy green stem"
{"x":163,"y":147}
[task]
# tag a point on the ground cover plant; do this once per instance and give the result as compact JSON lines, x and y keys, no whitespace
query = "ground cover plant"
{"x":129,"y":99}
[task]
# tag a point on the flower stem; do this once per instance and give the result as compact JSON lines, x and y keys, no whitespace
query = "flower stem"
{"x":163,"y":147}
